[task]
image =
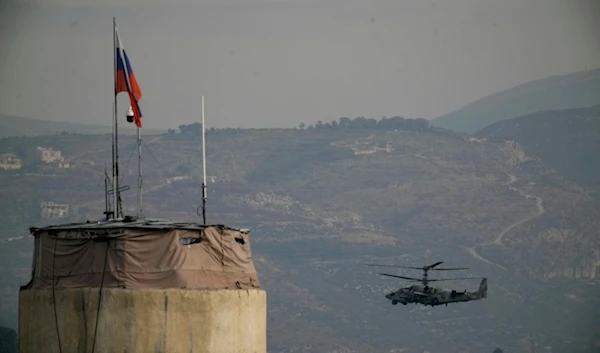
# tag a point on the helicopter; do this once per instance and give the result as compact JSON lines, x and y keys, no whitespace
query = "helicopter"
{"x":427,"y":295}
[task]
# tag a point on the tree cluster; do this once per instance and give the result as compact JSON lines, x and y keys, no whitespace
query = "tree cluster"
{"x":362,"y":123}
{"x":191,"y":129}
{"x":359,"y":123}
{"x":194,"y":129}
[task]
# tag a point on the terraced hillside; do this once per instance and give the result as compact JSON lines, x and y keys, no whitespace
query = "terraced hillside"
{"x":323,"y":202}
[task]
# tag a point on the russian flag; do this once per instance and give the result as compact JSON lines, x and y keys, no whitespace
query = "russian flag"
{"x":125,"y":80}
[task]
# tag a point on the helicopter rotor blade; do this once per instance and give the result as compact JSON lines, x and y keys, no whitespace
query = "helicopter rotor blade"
{"x":432,"y":266}
{"x":450,"y":269}
{"x":453,"y":279}
{"x":424,"y":268}
{"x":403,"y":277}
{"x":396,"y":266}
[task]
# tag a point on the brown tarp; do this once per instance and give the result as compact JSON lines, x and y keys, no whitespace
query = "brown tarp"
{"x":142,"y":258}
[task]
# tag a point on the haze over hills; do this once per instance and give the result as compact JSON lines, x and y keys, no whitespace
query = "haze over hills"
{"x":570,"y":91}
{"x":565,"y":140}
{"x":18,"y":126}
{"x":323,"y":201}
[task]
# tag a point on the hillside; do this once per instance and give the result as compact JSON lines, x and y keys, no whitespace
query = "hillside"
{"x":566,"y":140}
{"x":11,"y":126}
{"x":324,"y":201}
{"x":570,"y":91}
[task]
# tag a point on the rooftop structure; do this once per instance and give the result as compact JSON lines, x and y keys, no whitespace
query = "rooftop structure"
{"x":142,"y":254}
{"x":146,"y":285}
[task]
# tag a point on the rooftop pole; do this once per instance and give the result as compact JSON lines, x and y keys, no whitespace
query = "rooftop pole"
{"x":203,"y":167}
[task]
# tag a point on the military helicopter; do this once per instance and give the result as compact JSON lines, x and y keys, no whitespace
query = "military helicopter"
{"x":428,"y":295}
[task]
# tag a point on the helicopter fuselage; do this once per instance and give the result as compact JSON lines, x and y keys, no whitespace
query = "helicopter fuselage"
{"x":433,"y":296}
{"x":428,"y":295}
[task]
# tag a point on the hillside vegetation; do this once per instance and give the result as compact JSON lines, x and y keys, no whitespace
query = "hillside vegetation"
{"x":566,"y":140}
{"x":570,"y":91}
{"x":323,"y":201}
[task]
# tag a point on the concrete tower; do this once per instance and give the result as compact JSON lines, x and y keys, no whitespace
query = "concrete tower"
{"x":141,"y":286}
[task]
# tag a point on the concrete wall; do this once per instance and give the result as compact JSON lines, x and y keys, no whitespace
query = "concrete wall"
{"x":144,"y":321}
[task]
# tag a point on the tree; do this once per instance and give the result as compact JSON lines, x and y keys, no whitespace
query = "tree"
{"x":344,"y":122}
{"x":191,"y":129}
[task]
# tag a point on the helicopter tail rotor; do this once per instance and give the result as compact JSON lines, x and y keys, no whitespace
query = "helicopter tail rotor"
{"x":482,"y":291}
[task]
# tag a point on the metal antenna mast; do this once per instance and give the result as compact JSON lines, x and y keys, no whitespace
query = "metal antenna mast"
{"x":106,"y":203}
{"x":130,"y":118}
{"x":203,"y":167}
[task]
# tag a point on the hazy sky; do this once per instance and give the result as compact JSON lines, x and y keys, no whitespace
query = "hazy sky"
{"x":281,"y":62}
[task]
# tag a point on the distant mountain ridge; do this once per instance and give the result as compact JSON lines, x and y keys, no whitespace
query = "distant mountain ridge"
{"x":11,"y":126}
{"x":568,"y":141}
{"x":569,"y":91}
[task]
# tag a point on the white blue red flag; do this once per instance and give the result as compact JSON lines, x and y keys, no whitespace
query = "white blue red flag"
{"x":125,"y":80}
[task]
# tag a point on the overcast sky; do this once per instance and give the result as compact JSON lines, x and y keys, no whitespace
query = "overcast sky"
{"x":276,"y":63}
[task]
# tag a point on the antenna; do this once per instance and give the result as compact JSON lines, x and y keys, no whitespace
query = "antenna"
{"x":105,"y":192}
{"x":203,"y":167}
{"x":107,"y":211}
{"x":139,"y":150}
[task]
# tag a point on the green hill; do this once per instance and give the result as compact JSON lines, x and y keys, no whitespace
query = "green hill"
{"x":570,"y":91}
{"x":11,"y":126}
{"x":324,"y":201}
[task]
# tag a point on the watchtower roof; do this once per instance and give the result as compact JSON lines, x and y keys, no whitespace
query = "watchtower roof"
{"x":113,"y":226}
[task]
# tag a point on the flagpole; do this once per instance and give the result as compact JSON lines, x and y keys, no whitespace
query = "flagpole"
{"x":114,"y":55}
{"x":116,"y":166}
{"x":203,"y":168}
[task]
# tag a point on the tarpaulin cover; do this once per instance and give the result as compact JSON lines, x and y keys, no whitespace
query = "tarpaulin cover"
{"x":144,"y":258}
